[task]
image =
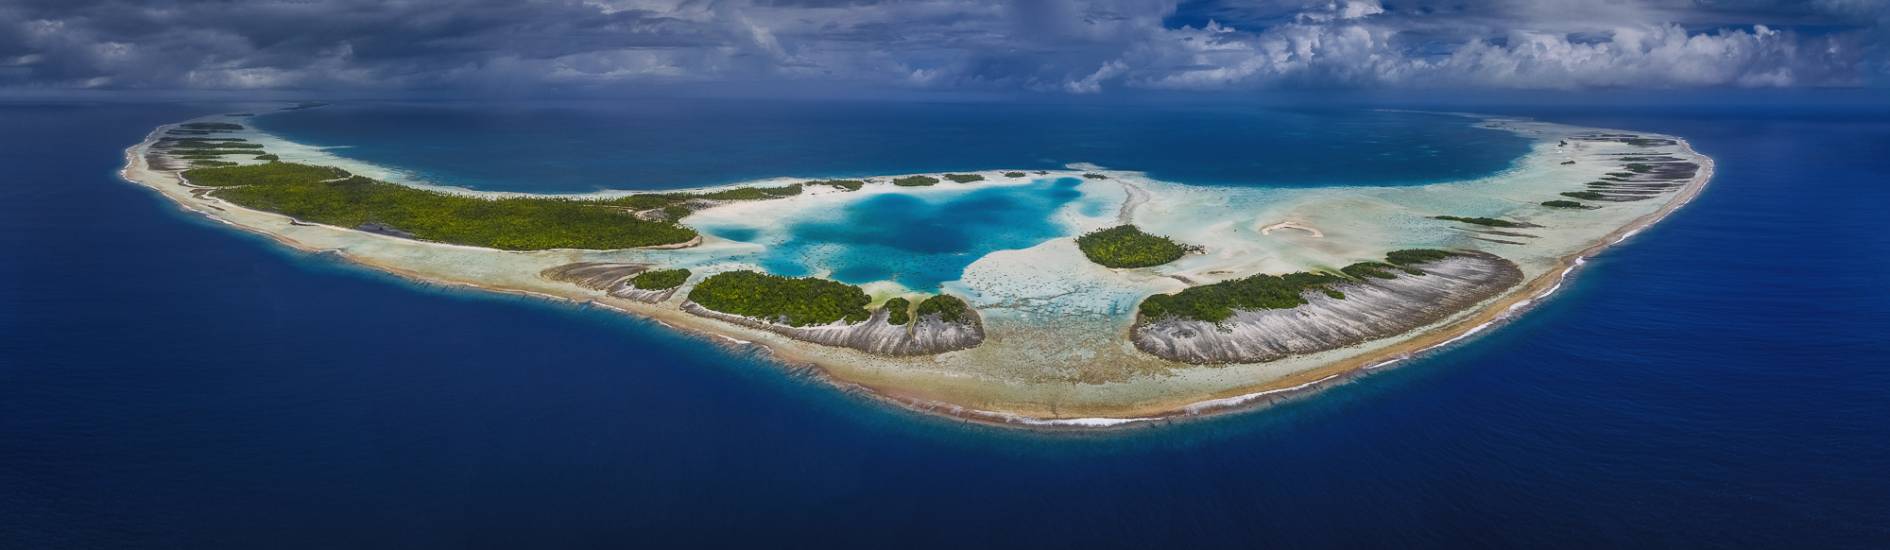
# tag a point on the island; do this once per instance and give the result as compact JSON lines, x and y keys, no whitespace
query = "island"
{"x":1136,"y":302}
{"x":1126,"y":246}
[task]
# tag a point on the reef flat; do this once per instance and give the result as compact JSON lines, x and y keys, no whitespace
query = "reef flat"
{"x":1184,"y":300}
{"x":1385,"y":303}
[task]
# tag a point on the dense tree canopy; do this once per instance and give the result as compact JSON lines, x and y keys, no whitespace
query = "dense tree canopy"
{"x":1218,"y":301}
{"x":1488,"y":222}
{"x":305,"y":192}
{"x":789,"y":301}
{"x":948,"y":308}
{"x":660,"y":279}
{"x":848,"y":185}
{"x":898,"y":311}
{"x":1126,"y":246}
{"x":274,"y":173}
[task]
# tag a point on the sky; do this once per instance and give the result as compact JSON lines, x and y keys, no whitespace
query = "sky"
{"x":1048,"y":47}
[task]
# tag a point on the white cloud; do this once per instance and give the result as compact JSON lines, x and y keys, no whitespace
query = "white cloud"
{"x":1062,"y":46}
{"x":1334,"y":50}
{"x":1093,"y":83}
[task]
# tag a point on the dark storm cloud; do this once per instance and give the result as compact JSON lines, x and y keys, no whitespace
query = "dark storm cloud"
{"x":1074,"y":46}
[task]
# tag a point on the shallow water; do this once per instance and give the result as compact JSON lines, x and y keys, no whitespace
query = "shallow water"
{"x":918,"y":241}
{"x":165,"y":382}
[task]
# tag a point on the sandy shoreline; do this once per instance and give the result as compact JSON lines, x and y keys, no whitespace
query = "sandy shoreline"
{"x":1011,"y":414}
{"x":1501,"y":309}
{"x":1492,"y":313}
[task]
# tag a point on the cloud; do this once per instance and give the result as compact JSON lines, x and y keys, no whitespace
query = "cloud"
{"x":1050,"y":46}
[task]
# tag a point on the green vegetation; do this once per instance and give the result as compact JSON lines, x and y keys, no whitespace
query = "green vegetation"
{"x":263,"y":174}
{"x":661,"y":279}
{"x":270,"y":158}
{"x":1563,"y":204}
{"x":650,"y":201}
{"x":898,"y":311}
{"x":510,"y":224}
{"x":752,"y":193}
{"x":1488,"y":222}
{"x":790,"y":301}
{"x":306,"y":192}
{"x":964,"y":178}
{"x":199,"y":139}
{"x":948,"y":308}
{"x":1127,"y":246}
{"x":210,"y":163}
{"x":211,"y":126}
{"x":915,"y":181}
{"x":1620,"y":174}
{"x":211,"y":148}
{"x":1095,"y":176}
{"x":226,"y":144}
{"x":211,"y":152}
{"x":1639,"y":168}
{"x":673,"y":204}
{"x":1401,"y":260}
{"x":1367,"y":270}
{"x":1412,"y":256}
{"x":1219,"y":301}
{"x":1584,"y":195}
{"x":1013,"y":174}
{"x":850,"y":185}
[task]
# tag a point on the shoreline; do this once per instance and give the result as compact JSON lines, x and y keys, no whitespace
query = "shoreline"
{"x":1235,"y":399}
{"x":1490,"y":315}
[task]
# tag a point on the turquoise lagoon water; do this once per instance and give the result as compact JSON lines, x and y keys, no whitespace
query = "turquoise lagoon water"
{"x":917,"y":240}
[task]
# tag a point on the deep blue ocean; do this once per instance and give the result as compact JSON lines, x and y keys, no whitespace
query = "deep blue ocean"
{"x":1720,"y":380}
{"x":579,"y":146}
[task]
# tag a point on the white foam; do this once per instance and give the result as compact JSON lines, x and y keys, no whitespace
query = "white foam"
{"x":1460,"y":337}
{"x":1243,"y":399}
{"x":1084,"y":422}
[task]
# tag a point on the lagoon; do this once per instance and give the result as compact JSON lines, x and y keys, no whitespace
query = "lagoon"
{"x":918,"y":241}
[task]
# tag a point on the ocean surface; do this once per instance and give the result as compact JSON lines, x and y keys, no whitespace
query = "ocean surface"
{"x":1719,"y":380}
{"x":572,"y":147}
